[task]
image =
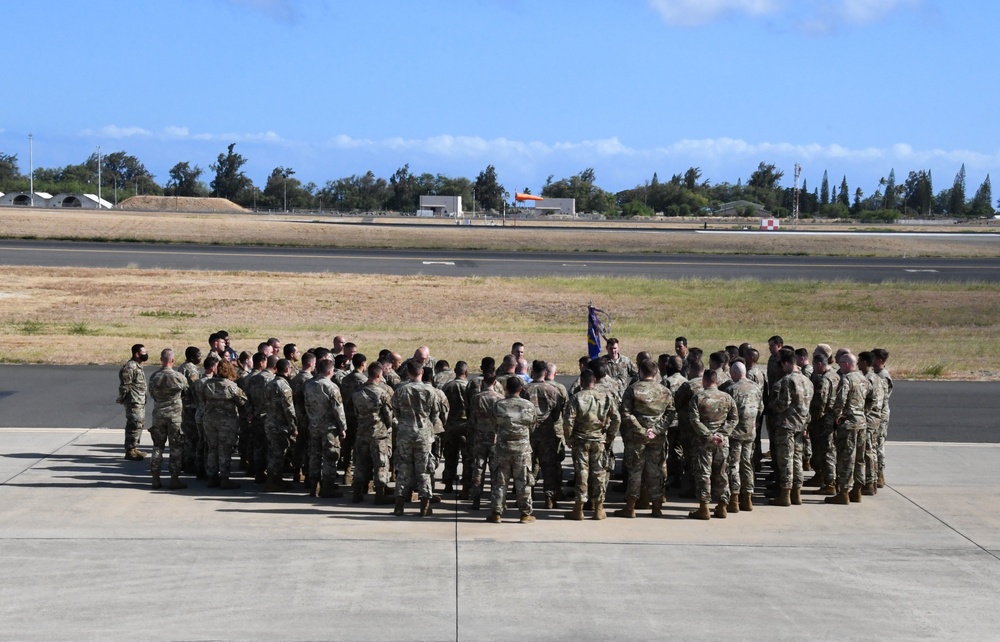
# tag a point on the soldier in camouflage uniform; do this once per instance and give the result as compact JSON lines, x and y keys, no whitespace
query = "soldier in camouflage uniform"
{"x":881,"y":356}
{"x":849,"y":409}
{"x":685,"y":432}
{"x":804,"y":362}
{"x":327,"y":427}
{"x":620,"y":367}
{"x":454,"y":441}
{"x":221,"y":421}
{"x":280,"y":425}
{"x":417,"y":411}
{"x":647,"y":410}
{"x":132,"y":395}
{"x":823,"y":426}
{"x":514,"y":419}
{"x":191,"y":462}
{"x":300,"y":450}
{"x":482,"y":432}
{"x":547,"y":445}
{"x":255,"y":386}
{"x":165,"y":387}
{"x":590,"y":424}
{"x":749,"y":405}
{"x":793,"y":394}
{"x":373,"y":444}
{"x":713,"y":416}
{"x":350,"y":384}
{"x":874,"y":403}
{"x":443,"y":373}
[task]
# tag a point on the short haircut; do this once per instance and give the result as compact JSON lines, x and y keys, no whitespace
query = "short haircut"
{"x":308,"y":359}
{"x":321,"y":353}
{"x":273,"y":341}
{"x":647,"y":368}
{"x":612,"y":341}
{"x":258,"y":359}
{"x":695,"y":368}
{"x":358,"y":360}
{"x":212,"y":338}
{"x":272,"y":361}
{"x":801,"y":352}
{"x":881,"y":354}
{"x":211,"y":361}
{"x":674,"y":365}
{"x":716,"y":360}
{"x":262,"y":345}
{"x":324,"y":367}
{"x":222,"y":334}
{"x":461,"y":368}
{"x":488,"y":363}
{"x":340,"y":360}
{"x":428,"y":375}
{"x":412,"y":369}
{"x":283,"y":366}
{"x":516,"y":345}
{"x":786,"y":356}
{"x":584,"y":360}
{"x":738,"y":370}
{"x":350,"y":344}
{"x":289,"y":350}
{"x":696,"y":353}
{"x":710,"y":376}
{"x":137,"y":347}
{"x":374,"y":370}
{"x":513,"y":384}
{"x":776,"y":340}
{"x":867,"y":357}
{"x":538,"y":367}
{"x":598,"y":367}
{"x":681,"y":340}
{"x":586,"y":378}
{"x":384,"y":353}
{"x":166,"y":354}
{"x":441,"y":365}
{"x":192,"y":353}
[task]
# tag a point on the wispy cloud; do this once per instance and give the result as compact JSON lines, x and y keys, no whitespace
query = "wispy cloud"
{"x":695,"y":13}
{"x":177,"y":132}
{"x":116,"y":132}
{"x":808,"y":16}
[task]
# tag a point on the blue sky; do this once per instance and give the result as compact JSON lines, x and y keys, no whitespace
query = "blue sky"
{"x":539,"y":87}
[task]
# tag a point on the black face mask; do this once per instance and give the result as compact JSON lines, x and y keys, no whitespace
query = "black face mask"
{"x":143,"y":357}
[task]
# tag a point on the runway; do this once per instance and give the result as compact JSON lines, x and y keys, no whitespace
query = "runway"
{"x":481,"y":263}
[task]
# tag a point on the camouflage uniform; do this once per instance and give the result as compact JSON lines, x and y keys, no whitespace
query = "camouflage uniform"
{"x":165,"y":387}
{"x":373,"y":442}
{"x":513,"y":421}
{"x":547,"y":444}
{"x":455,"y":440}
{"x":483,"y":436}
{"x":790,"y":407}
{"x":823,"y":429}
{"x":132,"y":394}
{"x":749,"y":405}
{"x":280,"y":423}
{"x":591,"y":424}
{"x":646,"y":405}
{"x":257,"y":450}
{"x":193,"y":460}
{"x":326,"y":421}
{"x":221,"y":421}
{"x":883,"y":430}
{"x":443,"y":377}
{"x":246,"y":416}
{"x":675,"y":452}
{"x":807,"y":447}
{"x":417,"y":410}
{"x":874,"y":402}
{"x":685,"y":451}
{"x":348,"y":386}
{"x":300,"y":451}
{"x":390,"y":378}
{"x":712,"y":412}
{"x":849,"y":409}
{"x":622,"y":369}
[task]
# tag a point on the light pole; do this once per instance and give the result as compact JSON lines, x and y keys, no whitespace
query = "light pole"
{"x":100,"y":205}
{"x":31,"y":170}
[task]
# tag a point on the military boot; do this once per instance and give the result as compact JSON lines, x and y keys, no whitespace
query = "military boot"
{"x":855,"y":494}
{"x":448,"y":488}
{"x":828,"y":489}
{"x":599,"y":511}
{"x":381,"y":499}
{"x":746,"y":502}
{"x":657,"y":505}
{"x":701,"y":513}
{"x":157,"y":484}
{"x":313,"y":489}
{"x":526,"y":518}
{"x":398,"y":510}
{"x":477,"y":503}
{"x":329,"y":491}
{"x":881,"y":480}
{"x":628,"y":511}
{"x":720,"y":511}
{"x":815,"y":481}
{"x":349,"y":475}
{"x":868,"y":489}
{"x":782,"y":498}
{"x":493,"y":518}
{"x":425,"y":508}
{"x":734,"y":504}
{"x":643,"y":501}
{"x":577,"y":513}
{"x":214,"y":481}
{"x":357,"y":496}
{"x":134,"y":455}
{"x":550,"y":502}
{"x":226,"y":484}
{"x":176,"y":483}
{"x":840,"y":498}
{"x":796,"y":497}
{"x":274,"y":484}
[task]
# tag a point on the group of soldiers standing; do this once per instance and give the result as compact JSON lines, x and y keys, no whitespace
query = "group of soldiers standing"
{"x":329,"y":415}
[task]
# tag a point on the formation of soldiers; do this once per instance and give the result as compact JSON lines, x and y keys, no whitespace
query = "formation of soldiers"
{"x":328,"y":415}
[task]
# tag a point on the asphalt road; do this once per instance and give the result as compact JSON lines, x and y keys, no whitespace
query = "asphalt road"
{"x":84,"y":397}
{"x":481,"y":263}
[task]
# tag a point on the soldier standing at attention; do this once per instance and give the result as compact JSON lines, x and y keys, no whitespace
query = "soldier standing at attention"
{"x":258,"y":414}
{"x":481,"y":430}
{"x":455,"y":440}
{"x":300,"y":450}
{"x":849,"y":410}
{"x":713,"y":416}
{"x":192,"y":358}
{"x":622,"y":367}
{"x":881,"y":356}
{"x":591,"y":423}
{"x":132,"y":395}
{"x":416,"y":408}
{"x":793,"y":395}
{"x":280,"y":426}
{"x":350,"y":384}
{"x":221,"y":421}
{"x":750,"y":405}
{"x":373,"y":442}
{"x":546,"y":440}
{"x":165,"y":387}
{"x":514,"y":420}
{"x":327,"y":427}
{"x":874,"y":403}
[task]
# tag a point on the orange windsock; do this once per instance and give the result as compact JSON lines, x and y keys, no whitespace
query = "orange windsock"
{"x":527,"y":197}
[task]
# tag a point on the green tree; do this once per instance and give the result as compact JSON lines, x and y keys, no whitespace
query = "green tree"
{"x":845,"y":193}
{"x":856,"y":207}
{"x":956,"y":205}
{"x":918,"y":192}
{"x":9,"y":171}
{"x":766,"y":176}
{"x":691,"y":177}
{"x":891,"y":190}
{"x":230,"y":180}
{"x":186,"y":180}
{"x":824,"y":190}
{"x":405,"y":190}
{"x":282,"y":192}
{"x":636,"y":208}
{"x":489,"y":192}
{"x":982,"y":202}
{"x":589,"y":197}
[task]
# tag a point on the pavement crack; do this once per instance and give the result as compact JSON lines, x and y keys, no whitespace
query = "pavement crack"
{"x":38,"y":461}
{"x":947,"y":525}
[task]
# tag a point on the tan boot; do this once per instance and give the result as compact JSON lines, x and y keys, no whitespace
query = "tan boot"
{"x":628,"y":511}
{"x":829,"y":490}
{"x":881,"y":480}
{"x":425,"y":508}
{"x":657,"y":505}
{"x":855,"y":494}
{"x":840,"y":498}
{"x":746,"y":502}
{"x":381,"y":499}
{"x":701,"y":513}
{"x":782,"y":499}
{"x":176,"y":483}
{"x":493,"y":518}
{"x":868,"y":489}
{"x":599,"y":511}
{"x":157,"y":484}
{"x":398,"y":510}
{"x":526,"y":518}
{"x":721,"y":511}
{"x":643,"y":501}
{"x":815,"y":481}
{"x":796,"y":497}
{"x":577,"y":513}
{"x":734,"y":504}
{"x":329,"y":491}
{"x":226,"y":484}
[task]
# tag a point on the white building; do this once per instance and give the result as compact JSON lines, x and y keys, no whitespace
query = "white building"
{"x":442,"y":205}
{"x":82,"y":201}
{"x":556,"y":206}
{"x":23,"y":199}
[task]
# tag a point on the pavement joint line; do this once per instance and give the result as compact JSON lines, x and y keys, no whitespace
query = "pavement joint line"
{"x":32,"y":465}
{"x":946,"y":524}
{"x":952,"y":444}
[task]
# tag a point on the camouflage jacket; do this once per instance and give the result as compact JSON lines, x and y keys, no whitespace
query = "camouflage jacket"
{"x":280,"y":407}
{"x":443,"y":377}
{"x":222,"y":397}
{"x":749,"y":405}
{"x":713,"y":412}
{"x":887,"y":378}
{"x":298,"y":383}
{"x":373,"y":408}
{"x":324,"y":406}
{"x":418,"y":410}
{"x":849,"y":405}
{"x":166,"y":387}
{"x":824,"y":394}
{"x":390,"y":378}
{"x":646,"y":405}
{"x":549,"y":403}
{"x":793,"y":394}
{"x":682,"y":401}
{"x":255,"y":393}
{"x":348,"y":386}
{"x":514,"y":420}
{"x":131,"y":384}
{"x":457,"y":393}
{"x":673,"y":382}
{"x":191,"y":373}
{"x":480,"y":416}
{"x":592,"y":415}
{"x":874,"y":400}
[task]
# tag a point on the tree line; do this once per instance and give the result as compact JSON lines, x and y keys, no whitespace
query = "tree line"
{"x":684,"y":194}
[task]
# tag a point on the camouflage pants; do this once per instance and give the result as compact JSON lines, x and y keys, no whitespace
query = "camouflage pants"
{"x":135,"y":416}
{"x":300,"y":452}
{"x":850,"y":456}
{"x":807,"y":450}
{"x":482,"y":457}
{"x":167,"y":428}
{"x":258,"y":439}
{"x":644,"y":463}
{"x":826,"y":451}
{"x":589,"y":463}
{"x":324,"y":454}
{"x":278,"y":441}
{"x":741,"y":473}
{"x":221,"y":432}
{"x":712,"y":479}
{"x":787,"y":444}
{"x":453,"y":446}
{"x":190,"y":427}
{"x":675,"y":452}
{"x":871,"y":453}
{"x":883,"y":433}
{"x":413,"y":463}
{"x":372,"y":458}
{"x":509,"y":465}
{"x":549,"y":450}
{"x":246,"y":440}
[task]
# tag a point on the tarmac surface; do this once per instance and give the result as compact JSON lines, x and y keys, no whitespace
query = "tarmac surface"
{"x":88,"y":551}
{"x":481,"y":263}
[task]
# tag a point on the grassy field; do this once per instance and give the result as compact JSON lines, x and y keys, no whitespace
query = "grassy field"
{"x":357,"y":232}
{"x":73,"y":316}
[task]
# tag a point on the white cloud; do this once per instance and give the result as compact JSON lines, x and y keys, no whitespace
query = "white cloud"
{"x":173,"y":131}
{"x":114,"y":131}
{"x":808,"y":16}
{"x":695,"y":13}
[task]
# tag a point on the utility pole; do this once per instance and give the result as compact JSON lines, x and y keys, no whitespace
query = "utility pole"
{"x":31,"y":170}
{"x":100,"y":205}
{"x":795,"y":209}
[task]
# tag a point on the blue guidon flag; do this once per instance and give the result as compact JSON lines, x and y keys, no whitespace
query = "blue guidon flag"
{"x":597,"y":329}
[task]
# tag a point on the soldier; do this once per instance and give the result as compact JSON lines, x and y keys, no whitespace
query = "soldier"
{"x":132,"y":395}
{"x":222,"y":399}
{"x":514,"y":419}
{"x":583,"y":363}
{"x":348,"y":386}
{"x":622,"y":367}
{"x":280,"y":425}
{"x":229,"y":351}
{"x":442,"y":373}
{"x":647,"y":410}
{"x":750,"y":406}
{"x":165,"y":387}
{"x":292,"y":354}
{"x":300,"y":450}
{"x":874,"y":402}
{"x":389,"y":364}
{"x":416,"y":408}
{"x":681,"y":350}
{"x":257,"y":451}
{"x":327,"y":427}
{"x":482,"y":432}
{"x":338,"y":346}
{"x":685,"y":449}
{"x":881,"y":357}
{"x":517,"y":350}
{"x":590,"y":424}
{"x":454,"y":441}
{"x":822,"y":425}
{"x":717,"y":362}
{"x":713,"y":416}
{"x":793,"y":394}
{"x":506,"y":369}
{"x":373,"y":444}
{"x":191,"y":463}
{"x":547,"y":444}
{"x":341,"y":368}
{"x":849,"y":409}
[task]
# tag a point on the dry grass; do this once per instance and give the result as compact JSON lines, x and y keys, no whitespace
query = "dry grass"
{"x":388,"y":233}
{"x":55,"y":315}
